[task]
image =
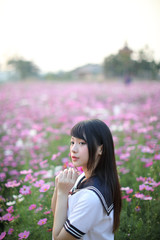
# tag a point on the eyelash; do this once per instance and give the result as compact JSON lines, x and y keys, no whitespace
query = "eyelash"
{"x":81,"y":143}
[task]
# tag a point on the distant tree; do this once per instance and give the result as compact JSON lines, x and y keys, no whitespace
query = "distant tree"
{"x":146,"y":67}
{"x":24,"y":68}
{"x":119,"y":64}
{"x":122,"y":64}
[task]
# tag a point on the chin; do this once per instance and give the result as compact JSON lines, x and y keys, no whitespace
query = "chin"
{"x":76,"y":164}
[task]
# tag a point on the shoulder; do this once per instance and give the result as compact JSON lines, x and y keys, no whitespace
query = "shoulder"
{"x":101,"y":190}
{"x":84,"y":198}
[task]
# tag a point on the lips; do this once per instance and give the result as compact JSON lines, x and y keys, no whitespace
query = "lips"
{"x":74,"y":158}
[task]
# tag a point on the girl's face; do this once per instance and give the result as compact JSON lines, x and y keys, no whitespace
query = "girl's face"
{"x":79,"y":152}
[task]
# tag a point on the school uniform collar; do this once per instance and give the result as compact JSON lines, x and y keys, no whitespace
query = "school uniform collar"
{"x":96,"y":185}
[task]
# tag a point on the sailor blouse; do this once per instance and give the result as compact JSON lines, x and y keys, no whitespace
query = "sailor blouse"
{"x":90,"y":210}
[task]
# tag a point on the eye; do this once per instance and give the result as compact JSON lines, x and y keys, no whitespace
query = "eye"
{"x":71,"y":143}
{"x":82,"y":143}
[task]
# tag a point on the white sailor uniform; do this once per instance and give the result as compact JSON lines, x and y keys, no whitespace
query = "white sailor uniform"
{"x":90,"y":210}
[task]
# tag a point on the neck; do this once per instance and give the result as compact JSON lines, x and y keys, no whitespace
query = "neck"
{"x":87,"y":173}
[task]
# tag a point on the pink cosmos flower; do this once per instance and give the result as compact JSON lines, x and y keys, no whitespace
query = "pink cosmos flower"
{"x":39,"y":183}
{"x":124,"y":156}
{"x":139,"y":195}
{"x":153,"y":119}
{"x":11,"y":219}
{"x":24,"y":234}
{"x":25,"y":190}
{"x":2,"y":198}
{"x":129,"y":191}
{"x":44,"y":188}
{"x":10,"y":209}
{"x":29,"y":178}
{"x":12,"y":184}
{"x":119,"y":163}
{"x":33,"y":206}
{"x":145,"y":187}
{"x":124,"y":170}
{"x":156,"y":184}
{"x":125,"y":197}
{"x":142,"y":179}
{"x":6,"y":217}
{"x":125,"y":188}
{"x":54,"y":156}
{"x":148,"y":164}
{"x":42,"y":172}
{"x":26,"y":171}
{"x":146,"y":149}
{"x":2,"y":176}
{"x":142,"y":187}
{"x":157,"y":157}
{"x":44,"y":164}
{"x":3,"y":234}
{"x":128,"y":199}
{"x":10,"y":231}
{"x":62,"y":148}
{"x":42,"y":221}
{"x":38,"y":209}
{"x":47,"y":212}
{"x":147,"y":197}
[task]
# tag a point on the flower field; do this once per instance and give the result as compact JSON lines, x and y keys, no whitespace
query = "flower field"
{"x":35,"y":121}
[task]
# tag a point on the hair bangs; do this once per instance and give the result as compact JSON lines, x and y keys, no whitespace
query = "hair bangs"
{"x":78,"y":131}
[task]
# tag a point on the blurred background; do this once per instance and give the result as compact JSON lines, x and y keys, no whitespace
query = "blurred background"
{"x":63,"y":61}
{"x":79,"y":40}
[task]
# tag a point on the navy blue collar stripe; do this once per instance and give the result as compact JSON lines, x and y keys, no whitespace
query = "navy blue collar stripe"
{"x":102,"y":190}
{"x":108,"y":209}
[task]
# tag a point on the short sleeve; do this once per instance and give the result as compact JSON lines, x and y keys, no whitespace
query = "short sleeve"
{"x":85,"y":214}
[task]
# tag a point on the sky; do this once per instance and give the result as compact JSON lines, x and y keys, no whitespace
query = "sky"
{"x":64,"y":34}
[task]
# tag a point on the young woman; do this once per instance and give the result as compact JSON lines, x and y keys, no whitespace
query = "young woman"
{"x":88,"y":206}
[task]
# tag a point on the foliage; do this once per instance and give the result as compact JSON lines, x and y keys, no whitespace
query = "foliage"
{"x":34,"y":131}
{"x":24,"y":68}
{"x":122,"y":63}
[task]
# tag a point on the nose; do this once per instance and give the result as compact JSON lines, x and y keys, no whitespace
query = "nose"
{"x":74,"y":148}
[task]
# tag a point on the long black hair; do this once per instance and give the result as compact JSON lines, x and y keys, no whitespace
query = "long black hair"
{"x":96,"y":133}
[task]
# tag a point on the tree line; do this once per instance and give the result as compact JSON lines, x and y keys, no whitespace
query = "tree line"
{"x":124,"y":63}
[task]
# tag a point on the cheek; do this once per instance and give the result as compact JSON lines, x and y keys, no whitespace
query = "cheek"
{"x":70,"y":149}
{"x":86,"y":151}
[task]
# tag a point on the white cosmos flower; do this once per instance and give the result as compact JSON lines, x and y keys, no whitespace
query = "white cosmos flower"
{"x":17,"y":196}
{"x":20,"y":199}
{"x":10,"y":203}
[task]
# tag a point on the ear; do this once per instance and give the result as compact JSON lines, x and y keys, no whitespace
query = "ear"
{"x":100,"y":149}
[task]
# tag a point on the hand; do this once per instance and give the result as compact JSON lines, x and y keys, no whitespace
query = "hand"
{"x":66,"y":180}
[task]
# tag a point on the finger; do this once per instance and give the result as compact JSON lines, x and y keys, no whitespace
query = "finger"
{"x":56,"y":180}
{"x":65,"y":172}
{"x":75,"y":175}
{"x":73,"y":171}
{"x":59,"y":174}
{"x":69,"y":173}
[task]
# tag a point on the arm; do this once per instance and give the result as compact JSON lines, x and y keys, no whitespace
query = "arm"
{"x":66,"y":180}
{"x":54,"y":197}
{"x":54,"y":200}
